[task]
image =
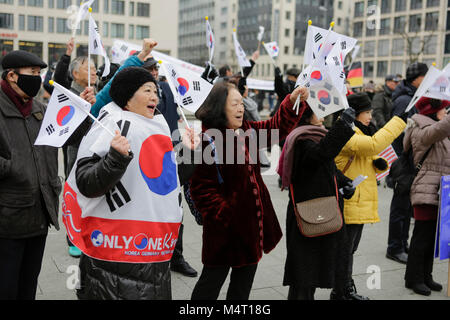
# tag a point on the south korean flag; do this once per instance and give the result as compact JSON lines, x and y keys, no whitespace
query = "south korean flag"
{"x":188,"y":88}
{"x":96,"y":45}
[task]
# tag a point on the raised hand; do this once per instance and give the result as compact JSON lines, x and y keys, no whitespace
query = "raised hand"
{"x":120,"y":144}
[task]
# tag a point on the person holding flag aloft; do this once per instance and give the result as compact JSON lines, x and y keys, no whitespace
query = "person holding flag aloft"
{"x":239,"y":222}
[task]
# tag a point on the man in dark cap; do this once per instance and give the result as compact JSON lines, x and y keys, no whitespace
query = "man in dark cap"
{"x":29,"y":182}
{"x":382,"y":101}
{"x":401,"y":209}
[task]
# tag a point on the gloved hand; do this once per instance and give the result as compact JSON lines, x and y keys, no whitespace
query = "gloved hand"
{"x":380,"y":164}
{"x":348,"y":116}
{"x":404,"y":116}
{"x":348,"y":190}
{"x":210,"y":73}
{"x":278,"y":72}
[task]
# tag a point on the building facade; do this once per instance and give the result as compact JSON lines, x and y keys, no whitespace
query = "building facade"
{"x":285,"y":21}
{"x":394,"y":33}
{"x":43,"y":26}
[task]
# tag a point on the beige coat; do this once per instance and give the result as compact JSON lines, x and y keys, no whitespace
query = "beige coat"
{"x":422,"y":133}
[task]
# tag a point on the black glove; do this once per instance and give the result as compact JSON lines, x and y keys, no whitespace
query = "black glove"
{"x":380,"y":164}
{"x":348,"y":116}
{"x":404,"y":116}
{"x":348,"y":190}
{"x":210,"y":73}
{"x":278,"y":72}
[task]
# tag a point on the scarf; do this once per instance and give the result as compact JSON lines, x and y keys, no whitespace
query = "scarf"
{"x":369,"y":130}
{"x":286,"y":162}
{"x":17,"y":100}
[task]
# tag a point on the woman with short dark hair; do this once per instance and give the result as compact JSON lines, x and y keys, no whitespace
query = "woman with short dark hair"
{"x":239,"y":221}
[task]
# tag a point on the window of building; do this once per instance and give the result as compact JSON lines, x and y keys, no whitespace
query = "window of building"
{"x":400,"y":5}
{"x":131,"y":31}
{"x":30,"y":46}
{"x":368,"y":69}
{"x":415,"y":22}
{"x":61,"y":26}
{"x":105,"y":6}
{"x":416,"y":4}
{"x":357,"y":29}
{"x":385,"y":26}
{"x":142,"y":32}
{"x":6,"y":21}
{"x":105,"y":29}
{"x":382,"y":68}
{"x":131,"y":9}
{"x":21,"y":22}
{"x":433,"y":3}
{"x":447,"y":43}
{"x":5,"y":47}
{"x":51,"y":4}
{"x":287,"y":32}
{"x":359,"y":9}
{"x":117,"y":30}
{"x":399,"y":24}
{"x":370,"y":30}
{"x":35,"y":3}
{"x":398,"y":47}
{"x":396,"y":67}
{"x":386,"y":6}
{"x":117,"y":7}
{"x":55,"y":51}
{"x":286,"y":50}
{"x":35,"y":23}
{"x":369,"y":49}
{"x":431,"y":21}
{"x":63,"y":4}
{"x":51,"y":24}
{"x":7,"y":1}
{"x":143,"y":9}
{"x":383,"y":48}
{"x":430,"y":45}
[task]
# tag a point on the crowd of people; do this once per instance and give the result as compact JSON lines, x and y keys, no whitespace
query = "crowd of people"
{"x":239,"y":221}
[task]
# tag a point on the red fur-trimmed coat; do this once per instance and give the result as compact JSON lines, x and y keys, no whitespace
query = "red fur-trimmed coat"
{"x":239,"y":221}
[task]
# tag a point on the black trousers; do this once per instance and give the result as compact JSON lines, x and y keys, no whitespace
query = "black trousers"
{"x":399,"y":220}
{"x":20,"y":265}
{"x":421,"y":252}
{"x":212,"y":279}
{"x":177,"y":256}
{"x":354,"y":233}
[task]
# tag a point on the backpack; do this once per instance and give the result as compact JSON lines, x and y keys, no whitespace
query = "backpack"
{"x":403,"y":172}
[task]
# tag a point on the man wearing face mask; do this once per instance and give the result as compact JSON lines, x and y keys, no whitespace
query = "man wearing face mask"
{"x":29,"y":183}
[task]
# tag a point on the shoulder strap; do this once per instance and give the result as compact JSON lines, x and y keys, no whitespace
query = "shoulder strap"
{"x":347,"y":166}
{"x":419,"y":165}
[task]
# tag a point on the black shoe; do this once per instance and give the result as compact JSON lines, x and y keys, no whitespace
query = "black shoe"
{"x":352,"y":294}
{"x":184,"y":268}
{"x":419,"y":288}
{"x":399,"y":257}
{"x":434,"y":286}
{"x":338,"y":296}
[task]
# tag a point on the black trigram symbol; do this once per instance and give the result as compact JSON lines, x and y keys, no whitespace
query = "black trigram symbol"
{"x":312,"y":94}
{"x":187,"y":100}
{"x":64,"y":131}
{"x":95,"y":44}
{"x":174,"y":73}
{"x":196,"y":85}
{"x":124,"y":48}
{"x":336,"y":60}
{"x":96,"y":29}
{"x":317,"y":37}
{"x":344,"y":45}
{"x":117,"y":197}
{"x":442,"y":89}
{"x":328,"y":86}
{"x":342,"y":75}
{"x":50,"y":129}
{"x":321,"y":107}
{"x":62,"y":97}
{"x":336,"y":101}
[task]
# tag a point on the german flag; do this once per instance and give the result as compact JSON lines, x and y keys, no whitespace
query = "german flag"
{"x":355,"y":75}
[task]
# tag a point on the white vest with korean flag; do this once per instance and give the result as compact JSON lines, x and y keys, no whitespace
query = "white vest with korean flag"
{"x":139,"y":219}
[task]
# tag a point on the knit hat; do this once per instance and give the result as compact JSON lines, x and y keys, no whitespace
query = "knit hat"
{"x":427,"y":106}
{"x":416,"y":70}
{"x":359,"y":101}
{"x":127,"y":82}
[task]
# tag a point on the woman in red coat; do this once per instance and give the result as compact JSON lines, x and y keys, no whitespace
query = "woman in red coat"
{"x":239,"y":222}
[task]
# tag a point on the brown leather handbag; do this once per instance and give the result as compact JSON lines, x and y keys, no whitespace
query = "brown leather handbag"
{"x":318,"y":217}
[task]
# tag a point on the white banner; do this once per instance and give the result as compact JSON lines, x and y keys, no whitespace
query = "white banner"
{"x":96,"y":45}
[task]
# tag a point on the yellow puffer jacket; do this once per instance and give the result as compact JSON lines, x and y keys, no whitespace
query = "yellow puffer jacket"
{"x":362,"y":208}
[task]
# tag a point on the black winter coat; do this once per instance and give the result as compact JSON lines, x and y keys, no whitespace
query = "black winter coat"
{"x":29,"y":182}
{"x":319,"y":262}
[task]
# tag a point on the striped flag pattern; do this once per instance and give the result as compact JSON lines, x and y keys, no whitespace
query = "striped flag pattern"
{"x":390,"y":156}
